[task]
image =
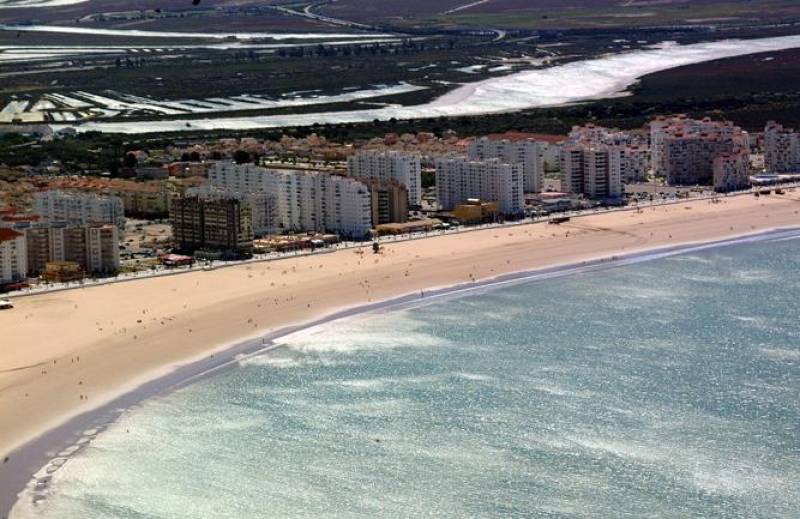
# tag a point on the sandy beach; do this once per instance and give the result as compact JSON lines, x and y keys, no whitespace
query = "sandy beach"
{"x":67,"y":352}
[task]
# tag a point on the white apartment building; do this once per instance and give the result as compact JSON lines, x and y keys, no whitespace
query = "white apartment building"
{"x":664,"y":129}
{"x":592,"y":170}
{"x":732,"y":171}
{"x":305,"y":200}
{"x":389,"y":165}
{"x":629,"y":154}
{"x":529,"y":153}
{"x":79,"y":208}
{"x":632,"y":162}
{"x":782,"y":149}
{"x":689,"y":158}
{"x":458,"y":179}
{"x":263,"y":206}
{"x":13,"y":256}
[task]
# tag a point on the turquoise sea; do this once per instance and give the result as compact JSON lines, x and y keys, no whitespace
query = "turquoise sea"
{"x":664,"y":389}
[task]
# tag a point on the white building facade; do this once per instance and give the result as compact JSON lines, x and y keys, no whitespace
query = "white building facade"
{"x":389,"y":165}
{"x":732,"y":171}
{"x":13,"y":256}
{"x":303,"y":200}
{"x":592,"y":170}
{"x":781,"y":149}
{"x":458,"y":179}
{"x":684,"y":148}
{"x":529,"y":153}
{"x":79,"y":208}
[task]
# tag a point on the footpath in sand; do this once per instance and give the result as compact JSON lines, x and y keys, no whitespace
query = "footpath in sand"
{"x":66,"y":352}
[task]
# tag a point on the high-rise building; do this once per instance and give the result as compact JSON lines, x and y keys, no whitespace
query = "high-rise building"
{"x":306,"y":200}
{"x":13,"y":256}
{"x":628,"y":155}
{"x":732,"y":171}
{"x":94,"y":247}
{"x":689,"y":158}
{"x":782,"y":149}
{"x":388,"y":199}
{"x":591,"y":170}
{"x":459,"y":179}
{"x":79,"y":208}
{"x":683,"y":149}
{"x":389,"y":165}
{"x":102,"y":248}
{"x":529,"y":153}
{"x":214,"y":224}
{"x":263,"y":206}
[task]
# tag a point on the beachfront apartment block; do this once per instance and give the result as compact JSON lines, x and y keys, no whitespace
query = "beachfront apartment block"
{"x":689,"y":158}
{"x":529,"y":153}
{"x":212,"y":224}
{"x":593,"y":170}
{"x":732,"y":171}
{"x":79,"y":208}
{"x":389,"y":165}
{"x":263,"y":206}
{"x":13,"y":256}
{"x":683,"y":149}
{"x":781,"y":149}
{"x":629,"y":152}
{"x":459,"y":179}
{"x":93,"y":247}
{"x":306,"y":200}
{"x":388,"y":200}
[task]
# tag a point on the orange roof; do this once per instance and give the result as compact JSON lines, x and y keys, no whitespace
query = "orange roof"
{"x":8,"y":234}
{"x":524,"y":136}
{"x":21,"y":217}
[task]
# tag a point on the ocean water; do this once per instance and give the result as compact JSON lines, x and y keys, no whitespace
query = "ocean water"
{"x":665,"y":389}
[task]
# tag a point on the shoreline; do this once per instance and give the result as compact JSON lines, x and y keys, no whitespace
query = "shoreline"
{"x":66,"y":354}
{"x":40,"y":457}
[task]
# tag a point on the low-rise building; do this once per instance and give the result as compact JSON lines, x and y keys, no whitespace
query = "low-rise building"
{"x":62,"y":271}
{"x":476,"y":211}
{"x":188,"y":169}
